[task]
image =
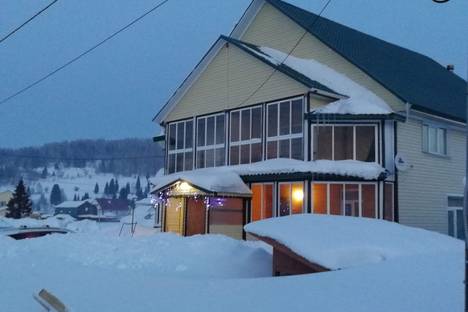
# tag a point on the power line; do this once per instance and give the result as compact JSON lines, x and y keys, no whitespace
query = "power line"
{"x":27,"y":21}
{"x":287,"y":56}
{"x":3,"y":101}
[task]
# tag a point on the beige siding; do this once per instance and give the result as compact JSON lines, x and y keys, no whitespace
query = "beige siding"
{"x":229,"y":80}
{"x":423,"y":189}
{"x":273,"y":29}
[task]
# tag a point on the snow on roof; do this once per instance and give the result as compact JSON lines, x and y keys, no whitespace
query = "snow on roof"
{"x":360,"y":101}
{"x":337,"y":242}
{"x":227,"y":179}
{"x":350,"y":168}
{"x":71,"y":204}
{"x":216,"y":180}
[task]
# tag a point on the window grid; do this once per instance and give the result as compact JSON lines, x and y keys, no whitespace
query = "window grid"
{"x":333,"y":126}
{"x":176,"y":152}
{"x":434,"y":140}
{"x":281,"y":137}
{"x":215,"y":147}
{"x":328,"y":184}
{"x":245,"y":142}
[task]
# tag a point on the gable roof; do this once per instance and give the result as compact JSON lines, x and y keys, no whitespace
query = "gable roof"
{"x":411,"y":76}
{"x":73,"y":204}
{"x":249,"y":49}
{"x":256,"y":52}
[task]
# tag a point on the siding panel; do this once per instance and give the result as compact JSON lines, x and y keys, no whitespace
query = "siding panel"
{"x":423,"y":189}
{"x":229,"y":80}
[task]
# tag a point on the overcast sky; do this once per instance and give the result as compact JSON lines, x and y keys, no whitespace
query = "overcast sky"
{"x":116,"y":90}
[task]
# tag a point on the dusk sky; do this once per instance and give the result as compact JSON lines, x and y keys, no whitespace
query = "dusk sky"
{"x":115,"y":91}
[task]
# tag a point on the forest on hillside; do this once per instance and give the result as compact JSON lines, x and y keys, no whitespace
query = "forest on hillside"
{"x":121,"y":157}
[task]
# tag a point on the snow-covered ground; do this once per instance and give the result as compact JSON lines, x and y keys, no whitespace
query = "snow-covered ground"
{"x":95,"y":270}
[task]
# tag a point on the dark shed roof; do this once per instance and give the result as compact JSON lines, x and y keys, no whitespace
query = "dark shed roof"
{"x":413,"y":77}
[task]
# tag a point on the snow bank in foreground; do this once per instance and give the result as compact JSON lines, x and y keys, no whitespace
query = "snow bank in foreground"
{"x":360,"y":101}
{"x":338,"y":242}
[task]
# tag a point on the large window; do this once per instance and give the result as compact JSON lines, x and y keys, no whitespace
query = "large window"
{"x":262,"y":201}
{"x":346,"y":199}
{"x":456,"y":227}
{"x":285,"y":129}
{"x":211,"y":147}
{"x":246,"y":136}
{"x":180,"y":146}
{"x":291,"y":198}
{"x":339,"y":142}
{"x":434,"y":140}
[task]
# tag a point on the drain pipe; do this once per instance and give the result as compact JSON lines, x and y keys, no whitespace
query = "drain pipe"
{"x":407,"y":110}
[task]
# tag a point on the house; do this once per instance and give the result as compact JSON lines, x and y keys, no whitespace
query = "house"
{"x":76,"y":209}
{"x":347,"y":124}
{"x":112,"y":207}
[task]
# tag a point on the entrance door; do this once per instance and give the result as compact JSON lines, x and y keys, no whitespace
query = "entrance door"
{"x":175,"y":215}
{"x":196,"y":217}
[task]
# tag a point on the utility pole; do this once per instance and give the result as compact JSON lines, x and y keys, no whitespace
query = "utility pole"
{"x":465,"y":198}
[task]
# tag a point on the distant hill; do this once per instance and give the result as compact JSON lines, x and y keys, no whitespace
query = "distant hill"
{"x":126,"y":157}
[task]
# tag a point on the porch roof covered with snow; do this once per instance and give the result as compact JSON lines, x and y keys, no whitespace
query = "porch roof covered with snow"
{"x":230,"y":180}
{"x":208,"y":181}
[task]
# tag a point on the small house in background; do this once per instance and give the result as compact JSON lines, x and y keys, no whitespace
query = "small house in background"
{"x":76,"y":209}
{"x":113,"y":207}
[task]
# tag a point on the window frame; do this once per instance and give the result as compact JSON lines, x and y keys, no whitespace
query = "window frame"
{"x":280,"y":137}
{"x":183,"y":150}
{"x":262,"y":199}
{"x":213,"y":146}
{"x":426,"y":139}
{"x":354,"y":125}
{"x":277,"y":207}
{"x":360,"y":197}
{"x":251,"y":141}
{"x":454,"y":210}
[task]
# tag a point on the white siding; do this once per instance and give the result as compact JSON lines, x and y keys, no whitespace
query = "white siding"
{"x":423,"y":189}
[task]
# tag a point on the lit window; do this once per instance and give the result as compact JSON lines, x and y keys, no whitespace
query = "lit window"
{"x":291,"y":198}
{"x":262,"y":201}
{"x":345,"y":199}
{"x":246,"y":136}
{"x":285,"y":129}
{"x":180,"y":146}
{"x":211,"y":141}
{"x":434,"y":140}
{"x":340,"y":142}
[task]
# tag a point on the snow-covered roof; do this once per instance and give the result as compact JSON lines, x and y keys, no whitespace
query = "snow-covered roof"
{"x":360,"y":100}
{"x":227,"y":180}
{"x":72,"y":204}
{"x":337,"y":242}
{"x":219,"y":181}
{"x":347,"y":168}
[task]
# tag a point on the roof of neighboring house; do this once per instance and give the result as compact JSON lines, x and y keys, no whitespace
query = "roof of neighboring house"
{"x":72,"y":204}
{"x":113,"y":204}
{"x":283,"y":68}
{"x":411,"y":76}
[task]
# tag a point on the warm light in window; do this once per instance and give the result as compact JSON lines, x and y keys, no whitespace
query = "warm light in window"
{"x":298,"y":195}
{"x":185,"y":187}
